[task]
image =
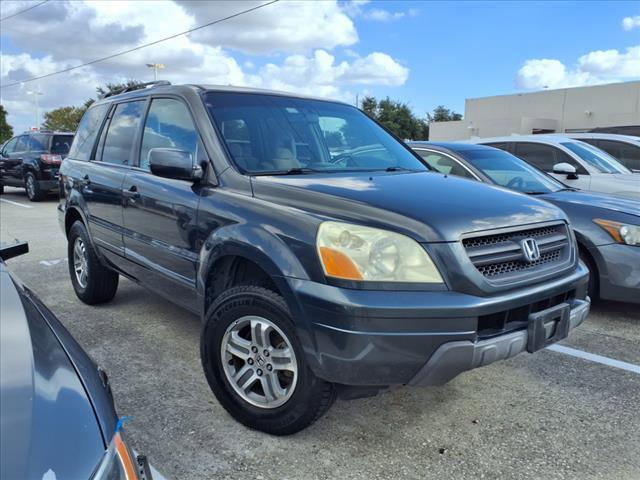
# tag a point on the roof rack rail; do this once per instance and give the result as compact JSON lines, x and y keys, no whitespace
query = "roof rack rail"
{"x":137,"y":86}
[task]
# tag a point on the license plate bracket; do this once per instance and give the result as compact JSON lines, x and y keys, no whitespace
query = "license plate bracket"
{"x":548,"y":326}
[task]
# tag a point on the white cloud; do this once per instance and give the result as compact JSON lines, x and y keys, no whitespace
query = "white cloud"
{"x":382,"y":15}
{"x":356,"y":8}
{"x":629,"y":23}
{"x":597,"y":67}
{"x":78,"y":32}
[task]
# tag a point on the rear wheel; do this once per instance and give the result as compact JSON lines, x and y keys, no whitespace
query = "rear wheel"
{"x":255,"y":364}
{"x":92,"y":282}
{"x":32,"y":187}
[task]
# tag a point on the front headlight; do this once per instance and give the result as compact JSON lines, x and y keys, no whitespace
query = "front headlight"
{"x":117,"y":463}
{"x":355,"y":252}
{"x":621,"y":232}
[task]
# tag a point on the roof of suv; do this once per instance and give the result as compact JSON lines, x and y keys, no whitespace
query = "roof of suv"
{"x":603,"y":136}
{"x":166,"y":88}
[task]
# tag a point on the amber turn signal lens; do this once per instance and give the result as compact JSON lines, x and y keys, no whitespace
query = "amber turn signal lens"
{"x":338,"y":265}
{"x":612,"y":228}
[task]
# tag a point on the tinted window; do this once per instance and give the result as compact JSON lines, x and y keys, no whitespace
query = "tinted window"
{"x":38,"y":142}
{"x":121,"y":132}
{"x":544,"y":157}
{"x":10,"y":146}
{"x":168,"y":125}
{"x":271,"y":134}
{"x":88,"y":129}
{"x":23,"y":143}
{"x":601,"y":161}
{"x":508,"y":171}
{"x":60,"y":144}
{"x":627,"y":154}
{"x":444,"y":164}
{"x":501,"y":145}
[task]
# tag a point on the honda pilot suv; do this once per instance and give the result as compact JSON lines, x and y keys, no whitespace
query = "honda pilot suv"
{"x":323,"y":256}
{"x":32,"y":160}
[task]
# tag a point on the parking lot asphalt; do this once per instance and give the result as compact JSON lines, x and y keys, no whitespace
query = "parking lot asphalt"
{"x":547,"y":415}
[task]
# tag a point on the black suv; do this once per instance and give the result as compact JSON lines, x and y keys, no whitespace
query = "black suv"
{"x":31,"y":160}
{"x":323,"y":256}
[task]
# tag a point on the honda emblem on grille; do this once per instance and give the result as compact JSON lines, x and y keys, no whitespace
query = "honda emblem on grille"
{"x":530,"y":249}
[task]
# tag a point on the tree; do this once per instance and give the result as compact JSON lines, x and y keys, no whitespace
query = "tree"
{"x":117,"y":87}
{"x":396,"y":117}
{"x":64,"y":119}
{"x":442,"y":114}
{"x":6,"y":130}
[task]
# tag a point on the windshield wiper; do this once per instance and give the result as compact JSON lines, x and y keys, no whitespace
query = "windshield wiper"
{"x":397,"y":168}
{"x":535,"y":192}
{"x":291,"y":171}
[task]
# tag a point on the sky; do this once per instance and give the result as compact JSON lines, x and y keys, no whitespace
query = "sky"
{"x":422,"y":53}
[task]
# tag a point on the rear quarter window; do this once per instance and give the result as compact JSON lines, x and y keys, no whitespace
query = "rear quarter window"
{"x":88,"y":130}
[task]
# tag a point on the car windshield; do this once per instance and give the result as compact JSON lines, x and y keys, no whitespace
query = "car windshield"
{"x":601,"y":161}
{"x":508,"y":171}
{"x":270,"y":134}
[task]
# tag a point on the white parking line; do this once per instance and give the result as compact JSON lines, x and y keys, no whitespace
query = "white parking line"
{"x":629,"y":367}
{"x":15,"y":203}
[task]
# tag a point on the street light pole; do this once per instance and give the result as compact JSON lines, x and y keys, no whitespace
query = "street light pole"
{"x":35,"y":94}
{"x":156,"y":67}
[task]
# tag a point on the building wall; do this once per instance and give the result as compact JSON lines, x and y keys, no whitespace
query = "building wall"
{"x":580,"y":108}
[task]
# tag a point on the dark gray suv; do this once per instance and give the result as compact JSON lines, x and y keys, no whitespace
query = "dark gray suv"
{"x":324,"y":257}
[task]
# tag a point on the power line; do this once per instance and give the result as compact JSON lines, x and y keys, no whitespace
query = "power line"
{"x":23,"y":11}
{"x":139,"y":47}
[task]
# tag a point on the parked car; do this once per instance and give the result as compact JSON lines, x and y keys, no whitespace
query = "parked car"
{"x":607,"y":227}
{"x":624,"y":148}
{"x":31,"y":160}
{"x":573,"y":162}
{"x":633,"y":130}
{"x":57,"y":418}
{"x":315,"y":274}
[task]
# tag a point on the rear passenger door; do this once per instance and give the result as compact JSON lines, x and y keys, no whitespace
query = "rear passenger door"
{"x":544,"y":157}
{"x":103,"y":176}
{"x":14,"y":162}
{"x":160,"y":235}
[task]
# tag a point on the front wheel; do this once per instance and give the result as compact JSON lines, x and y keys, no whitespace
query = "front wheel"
{"x":592,"y":289}
{"x":255,"y":364}
{"x":92,"y":282}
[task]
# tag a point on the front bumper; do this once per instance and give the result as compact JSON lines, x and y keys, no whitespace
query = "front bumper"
{"x":380,"y":338}
{"x":453,"y":358}
{"x":619,"y":272}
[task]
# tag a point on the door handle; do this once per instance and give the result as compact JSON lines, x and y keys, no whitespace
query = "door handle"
{"x":132,"y":192}
{"x":86,"y":181}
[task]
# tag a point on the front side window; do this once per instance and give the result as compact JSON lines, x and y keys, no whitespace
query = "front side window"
{"x":10,"y":146}
{"x":85,"y":138}
{"x":508,"y":171}
{"x":601,"y":161}
{"x":122,"y":130}
{"x":444,"y":164}
{"x":269,"y":134}
{"x":169,"y":125}
{"x":544,"y":157}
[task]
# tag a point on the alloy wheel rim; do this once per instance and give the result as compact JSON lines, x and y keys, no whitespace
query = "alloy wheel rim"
{"x":80,"y":262}
{"x":259,"y":362}
{"x":31,"y":190}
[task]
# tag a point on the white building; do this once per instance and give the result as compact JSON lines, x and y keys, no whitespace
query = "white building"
{"x":564,"y":110}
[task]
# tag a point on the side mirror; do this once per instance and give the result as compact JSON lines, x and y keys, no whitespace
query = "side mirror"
{"x":565,"y":169}
{"x":174,"y":163}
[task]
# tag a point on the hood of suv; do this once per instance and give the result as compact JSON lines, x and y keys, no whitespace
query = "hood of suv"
{"x":429,"y":206}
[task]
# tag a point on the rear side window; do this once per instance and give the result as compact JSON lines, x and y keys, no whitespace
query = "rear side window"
{"x":88,"y":129}
{"x":23,"y":143}
{"x":168,"y":125}
{"x":38,"y":143}
{"x":122,"y":131}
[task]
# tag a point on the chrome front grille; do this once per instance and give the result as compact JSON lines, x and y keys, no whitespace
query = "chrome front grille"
{"x":500,"y":255}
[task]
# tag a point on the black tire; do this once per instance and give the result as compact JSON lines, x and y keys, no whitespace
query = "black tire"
{"x":311,"y":397}
{"x":592,"y":289}
{"x":101,"y":282}
{"x":32,"y":187}
{"x":1,"y":189}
